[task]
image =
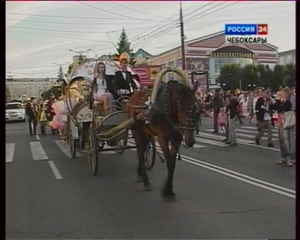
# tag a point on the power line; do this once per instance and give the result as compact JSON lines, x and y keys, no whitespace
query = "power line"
{"x":42,"y":34}
{"x":159,"y":26}
{"x":141,"y":41}
{"x":140,"y":19}
{"x":35,"y":67}
{"x":57,"y":16}
{"x":166,"y":31}
{"x":149,"y":41}
{"x":79,"y":23}
{"x":195,"y":16}
{"x":34,"y":72}
{"x":197,"y":9}
{"x":198,"y":17}
{"x":55,"y":30}
{"x":137,"y":10}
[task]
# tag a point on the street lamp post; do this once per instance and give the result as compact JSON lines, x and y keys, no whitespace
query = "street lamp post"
{"x":80,"y":52}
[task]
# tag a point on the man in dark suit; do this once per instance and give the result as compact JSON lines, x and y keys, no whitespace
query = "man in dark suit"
{"x":217,"y":104}
{"x":124,"y":83}
{"x":31,"y":112}
{"x":264,"y":117}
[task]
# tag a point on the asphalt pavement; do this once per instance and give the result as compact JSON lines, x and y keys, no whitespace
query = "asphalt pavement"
{"x":221,"y":192}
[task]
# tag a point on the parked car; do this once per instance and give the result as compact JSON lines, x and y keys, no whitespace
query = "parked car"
{"x":15,"y":112}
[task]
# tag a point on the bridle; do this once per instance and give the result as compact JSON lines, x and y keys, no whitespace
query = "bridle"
{"x":182,"y":125}
{"x":189,"y":123}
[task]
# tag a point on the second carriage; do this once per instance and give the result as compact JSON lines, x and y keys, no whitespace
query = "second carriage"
{"x":86,"y":125}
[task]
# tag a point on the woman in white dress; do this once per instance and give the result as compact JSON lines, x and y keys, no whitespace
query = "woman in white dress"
{"x":102,"y":88}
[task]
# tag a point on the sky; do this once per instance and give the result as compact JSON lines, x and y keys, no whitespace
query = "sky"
{"x":40,"y":34}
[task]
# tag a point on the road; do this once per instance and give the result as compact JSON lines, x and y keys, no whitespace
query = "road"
{"x":221,"y":192}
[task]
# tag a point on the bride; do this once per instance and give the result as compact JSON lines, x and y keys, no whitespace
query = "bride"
{"x":102,"y":89}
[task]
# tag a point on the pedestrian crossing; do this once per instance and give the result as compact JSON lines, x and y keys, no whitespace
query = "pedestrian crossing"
{"x":10,"y":149}
{"x":244,"y":134}
{"x":205,"y":139}
{"x":38,"y":152}
{"x":65,"y":148}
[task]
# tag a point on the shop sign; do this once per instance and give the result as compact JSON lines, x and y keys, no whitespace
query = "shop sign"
{"x":232,"y":55}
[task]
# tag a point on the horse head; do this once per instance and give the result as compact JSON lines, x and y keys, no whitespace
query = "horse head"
{"x":183,"y":105}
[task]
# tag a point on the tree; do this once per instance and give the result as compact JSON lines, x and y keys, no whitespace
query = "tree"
{"x":124,"y":46}
{"x":60,"y":74}
{"x":278,"y":77}
{"x":289,"y":73}
{"x":70,"y":67}
{"x":56,"y":91}
{"x":230,"y":76}
{"x":249,"y":77}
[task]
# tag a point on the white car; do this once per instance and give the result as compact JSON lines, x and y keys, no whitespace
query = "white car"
{"x":15,"y":112}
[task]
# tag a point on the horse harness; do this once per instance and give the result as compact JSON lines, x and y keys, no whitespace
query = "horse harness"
{"x":189,"y":124}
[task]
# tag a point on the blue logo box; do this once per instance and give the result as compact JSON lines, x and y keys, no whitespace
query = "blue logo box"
{"x":240,"y":29}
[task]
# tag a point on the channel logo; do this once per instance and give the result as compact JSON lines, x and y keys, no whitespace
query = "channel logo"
{"x":246,"y":33}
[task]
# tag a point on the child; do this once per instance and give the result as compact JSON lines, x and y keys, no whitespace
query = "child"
{"x":221,"y":120}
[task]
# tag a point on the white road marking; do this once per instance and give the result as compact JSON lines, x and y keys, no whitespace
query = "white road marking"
{"x":239,"y":141}
{"x":241,"y":179}
{"x":37,"y":137}
{"x":196,"y":145}
{"x":207,"y":141}
{"x":274,"y":135}
{"x":242,"y":175}
{"x":274,"y":130}
{"x":65,"y":148}
{"x":55,"y":170}
{"x":37,"y":151}
{"x":250,"y":131}
{"x":247,"y":179}
{"x":219,"y":137}
{"x":10,"y":149}
{"x":252,"y":136}
{"x":131,"y":143}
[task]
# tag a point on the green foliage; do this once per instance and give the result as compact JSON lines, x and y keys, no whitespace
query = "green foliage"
{"x":249,"y":76}
{"x":124,"y":46}
{"x":70,"y":68}
{"x":278,"y":77}
{"x":56,"y":91}
{"x":258,"y":75}
{"x":290,"y":79}
{"x":60,"y":73}
{"x":230,"y":76}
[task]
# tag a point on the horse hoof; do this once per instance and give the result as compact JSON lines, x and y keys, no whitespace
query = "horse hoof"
{"x":169,"y":196}
{"x":139,"y":179}
{"x":147,"y":187}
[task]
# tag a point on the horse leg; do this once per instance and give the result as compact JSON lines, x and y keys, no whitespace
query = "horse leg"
{"x":141,"y":143}
{"x":171,"y":162}
{"x":139,"y":167}
{"x":167,"y":190}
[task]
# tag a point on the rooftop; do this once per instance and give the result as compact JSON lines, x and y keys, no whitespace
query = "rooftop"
{"x":216,"y":40}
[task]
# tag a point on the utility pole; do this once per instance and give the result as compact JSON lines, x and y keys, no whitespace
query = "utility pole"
{"x":182,"y":38}
{"x":80,"y":53}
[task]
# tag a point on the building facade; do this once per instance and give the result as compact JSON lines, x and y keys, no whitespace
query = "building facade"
{"x":210,"y":53}
{"x":287,"y":57}
{"x":19,"y":88}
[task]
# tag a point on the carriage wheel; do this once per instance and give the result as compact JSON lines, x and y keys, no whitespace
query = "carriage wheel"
{"x":150,"y":155}
{"x":92,"y":144}
{"x":121,"y":143}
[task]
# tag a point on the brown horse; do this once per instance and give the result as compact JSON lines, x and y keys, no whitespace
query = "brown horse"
{"x":172,"y":121}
